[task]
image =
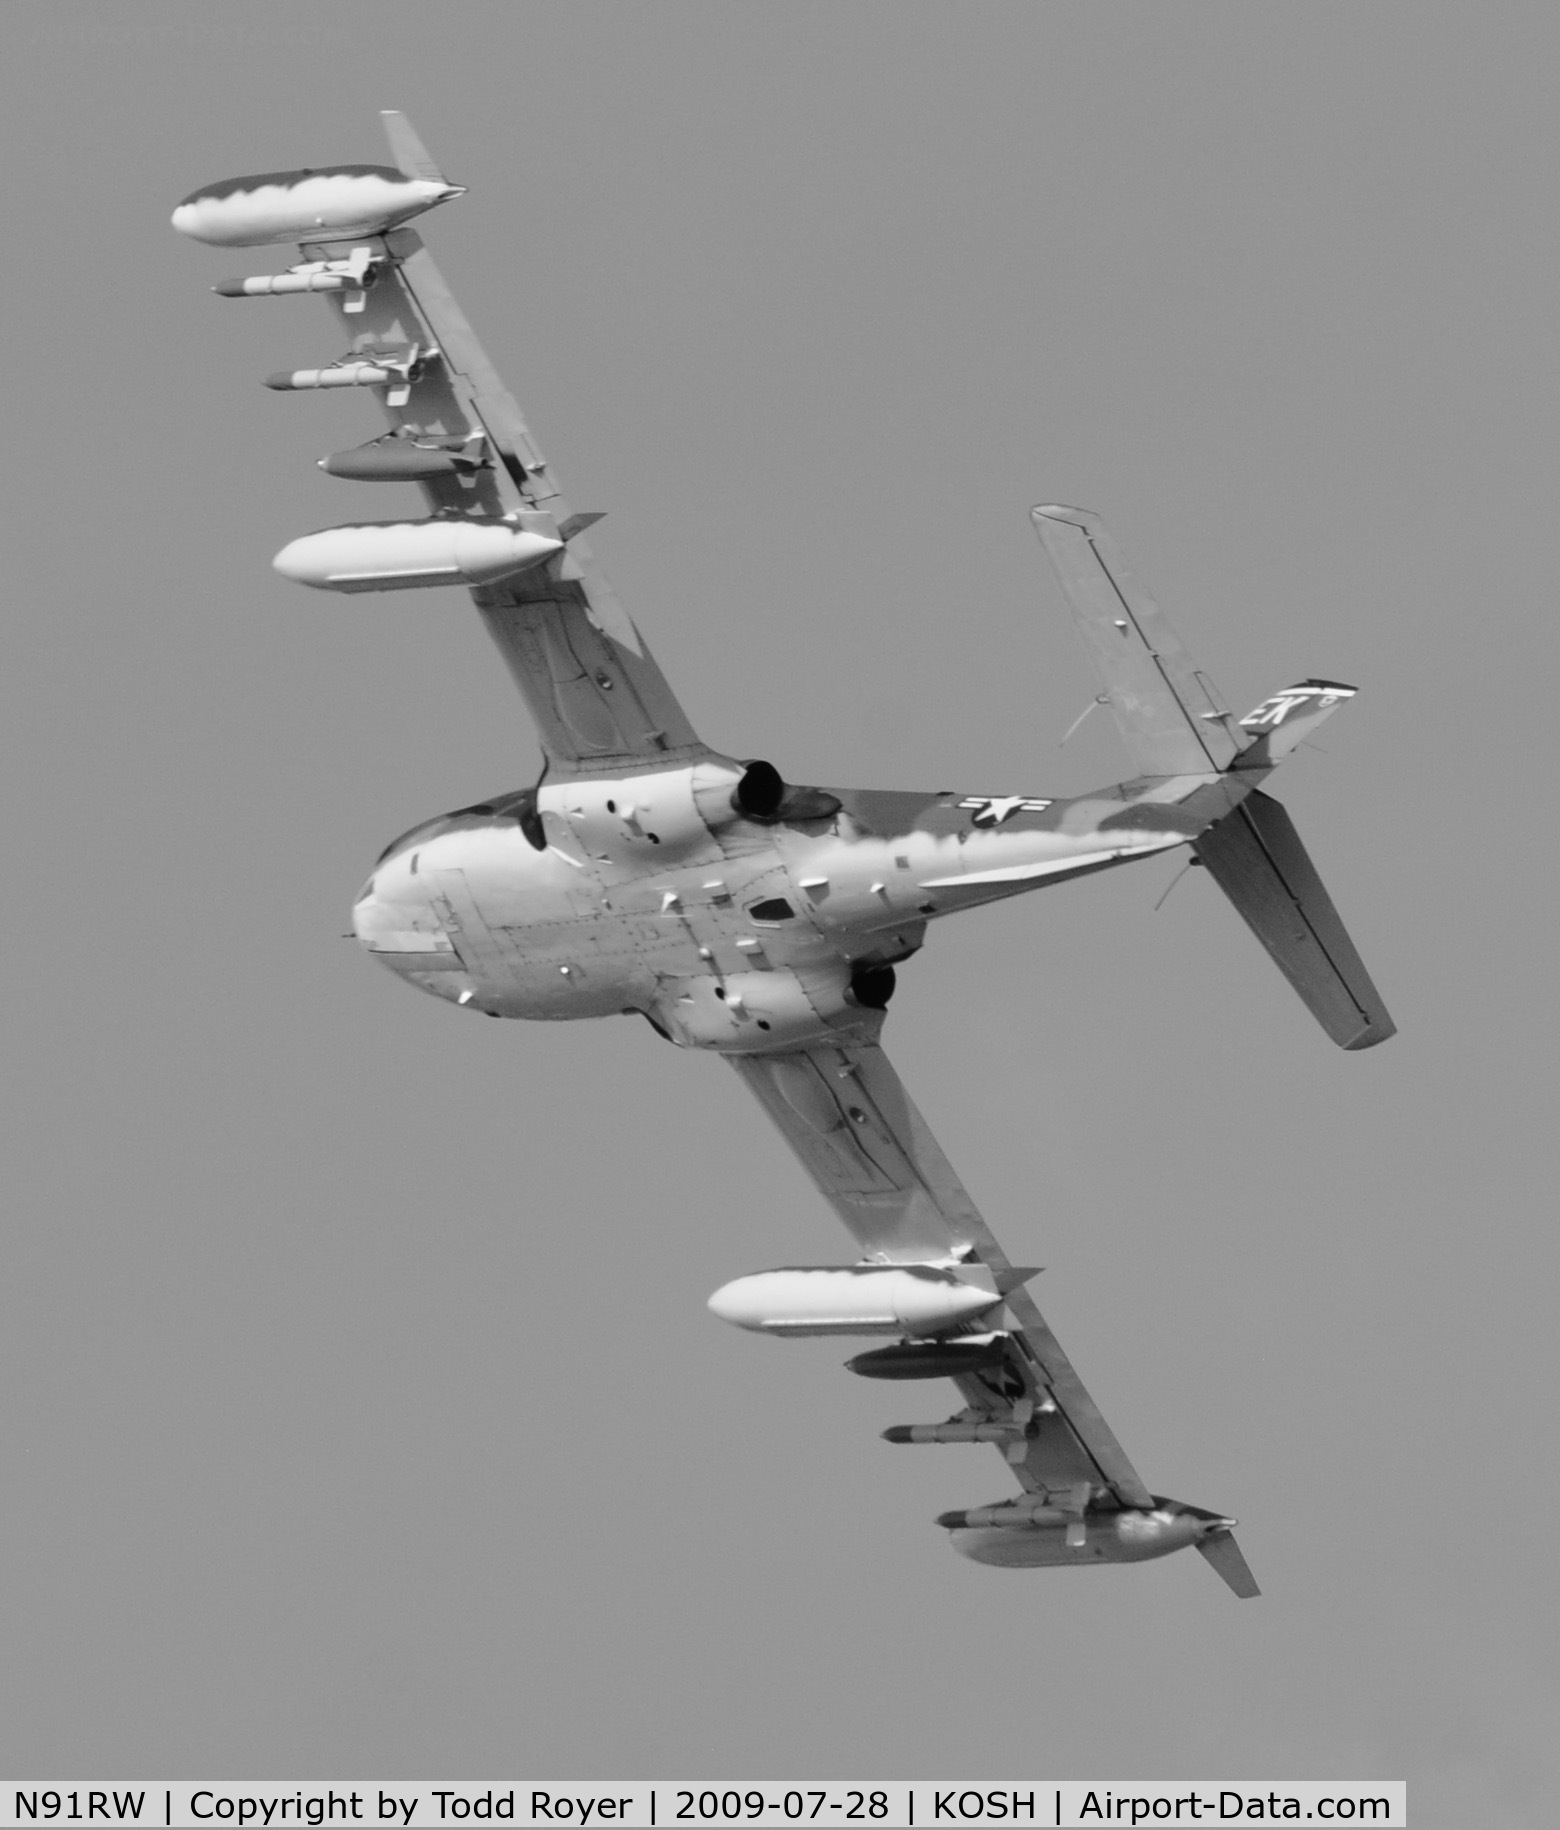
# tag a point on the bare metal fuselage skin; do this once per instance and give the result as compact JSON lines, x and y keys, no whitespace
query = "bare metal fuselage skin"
{"x":656,"y":893}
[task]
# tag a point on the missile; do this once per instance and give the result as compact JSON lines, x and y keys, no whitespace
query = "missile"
{"x":335,"y":375}
{"x":916,"y":1299}
{"x":319,"y":278}
{"x":368,"y":372}
{"x":403,"y":555}
{"x":327,"y":203}
{"x":394,"y":370}
{"x":932,"y":1359}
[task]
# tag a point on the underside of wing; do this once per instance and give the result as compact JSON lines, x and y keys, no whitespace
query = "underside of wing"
{"x":498,"y":522}
{"x":595,"y":691}
{"x":847,"y":1115}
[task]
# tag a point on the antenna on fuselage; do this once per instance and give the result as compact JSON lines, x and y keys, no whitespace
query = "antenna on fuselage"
{"x":1080,"y":718}
{"x":1174,"y":881}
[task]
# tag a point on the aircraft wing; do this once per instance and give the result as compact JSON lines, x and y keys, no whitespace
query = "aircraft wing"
{"x":847,"y":1115}
{"x":596,"y":694}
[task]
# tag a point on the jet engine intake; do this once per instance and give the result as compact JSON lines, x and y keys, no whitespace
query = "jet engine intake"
{"x":872,"y":986}
{"x":764,"y":795}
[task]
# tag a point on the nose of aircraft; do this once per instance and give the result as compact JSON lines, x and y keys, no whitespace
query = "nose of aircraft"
{"x":367,"y":915}
{"x":396,"y":933}
{"x":376,"y":919}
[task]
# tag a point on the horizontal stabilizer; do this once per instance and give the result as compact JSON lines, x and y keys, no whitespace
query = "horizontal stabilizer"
{"x":1255,"y":856}
{"x":1169,"y":713}
{"x":1221,"y":1550}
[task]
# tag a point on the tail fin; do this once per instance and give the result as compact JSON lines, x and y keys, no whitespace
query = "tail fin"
{"x":1223,"y":1553}
{"x":1171,"y":716}
{"x":1175,"y":723}
{"x":407,"y":149}
{"x":1284,"y":721}
{"x":1255,"y":856}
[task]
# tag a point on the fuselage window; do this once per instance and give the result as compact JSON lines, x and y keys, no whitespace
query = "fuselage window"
{"x":776,"y":909}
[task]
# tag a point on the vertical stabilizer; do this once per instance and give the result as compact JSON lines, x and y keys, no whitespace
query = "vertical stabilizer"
{"x":1223,"y":1553}
{"x":407,"y":149}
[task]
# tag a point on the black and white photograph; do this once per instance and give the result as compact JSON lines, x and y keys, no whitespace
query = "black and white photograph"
{"x":551,"y":548}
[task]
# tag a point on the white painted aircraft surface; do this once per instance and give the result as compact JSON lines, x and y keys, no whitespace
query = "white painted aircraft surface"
{"x":648,"y":874}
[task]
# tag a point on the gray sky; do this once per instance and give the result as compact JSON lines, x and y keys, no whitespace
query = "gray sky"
{"x":359,"y":1410}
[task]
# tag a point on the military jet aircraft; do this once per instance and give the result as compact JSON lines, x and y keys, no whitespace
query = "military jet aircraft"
{"x":647,"y":873}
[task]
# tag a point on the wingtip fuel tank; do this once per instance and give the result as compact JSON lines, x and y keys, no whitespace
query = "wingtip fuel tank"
{"x":1042,"y":1530}
{"x":325,"y":203}
{"x":1054,"y":1541}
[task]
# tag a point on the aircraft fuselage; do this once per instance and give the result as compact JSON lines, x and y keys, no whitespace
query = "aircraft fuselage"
{"x":658,"y":893}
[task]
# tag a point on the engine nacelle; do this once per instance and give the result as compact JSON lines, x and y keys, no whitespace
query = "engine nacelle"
{"x":763,"y":794}
{"x":655,"y":818}
{"x":676,"y":812}
{"x":754,"y":1013}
